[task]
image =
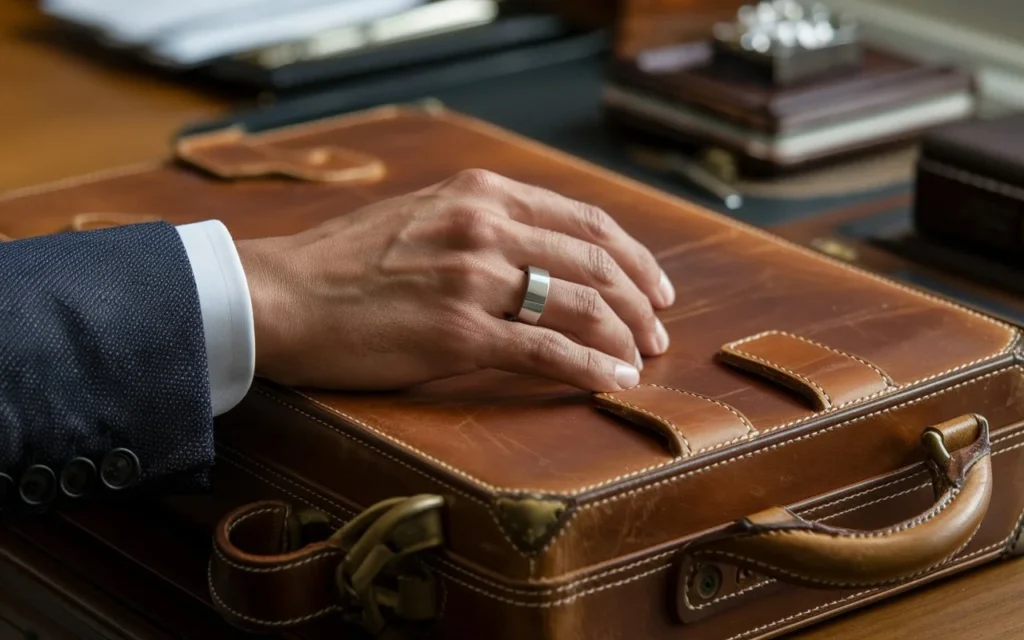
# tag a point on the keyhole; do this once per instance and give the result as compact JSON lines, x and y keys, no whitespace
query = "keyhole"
{"x":709,"y":581}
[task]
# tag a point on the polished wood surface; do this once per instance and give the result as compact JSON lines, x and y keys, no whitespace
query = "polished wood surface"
{"x":64,"y":113}
{"x":66,"y":110}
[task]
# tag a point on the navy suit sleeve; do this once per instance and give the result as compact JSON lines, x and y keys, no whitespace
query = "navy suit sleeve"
{"x":104,"y":384}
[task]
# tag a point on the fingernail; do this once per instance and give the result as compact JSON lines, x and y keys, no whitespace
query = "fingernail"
{"x":626,"y":376}
{"x":668,"y":292}
{"x":639,"y":361}
{"x":662,"y":336}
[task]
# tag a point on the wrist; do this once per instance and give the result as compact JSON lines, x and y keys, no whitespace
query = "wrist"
{"x":266,"y":292}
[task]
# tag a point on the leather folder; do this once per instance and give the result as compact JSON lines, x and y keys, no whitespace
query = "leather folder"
{"x":818,"y":438}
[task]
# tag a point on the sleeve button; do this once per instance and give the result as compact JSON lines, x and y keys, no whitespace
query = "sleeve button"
{"x":38,"y":485}
{"x":120,"y":469}
{"x":78,"y":478}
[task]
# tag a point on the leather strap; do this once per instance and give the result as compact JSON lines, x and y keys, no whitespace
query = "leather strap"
{"x":781,"y":545}
{"x":826,"y":376}
{"x":273,"y":568}
{"x":231,"y":154}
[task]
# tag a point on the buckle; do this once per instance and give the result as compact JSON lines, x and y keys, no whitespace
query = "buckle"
{"x":380,"y":569}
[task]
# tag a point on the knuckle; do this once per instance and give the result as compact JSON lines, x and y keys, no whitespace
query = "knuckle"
{"x":475,"y":226}
{"x":601,"y":265}
{"x":478,"y":180}
{"x":594,"y":221}
{"x":551,"y":348}
{"x":588,"y":304}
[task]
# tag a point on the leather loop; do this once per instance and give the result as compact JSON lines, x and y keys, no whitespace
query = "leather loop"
{"x":827,"y":377}
{"x":231,"y":154}
{"x":781,"y":545}
{"x":260,"y":581}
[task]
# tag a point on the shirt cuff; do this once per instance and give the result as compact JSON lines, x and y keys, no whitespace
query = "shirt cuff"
{"x":227,"y":311}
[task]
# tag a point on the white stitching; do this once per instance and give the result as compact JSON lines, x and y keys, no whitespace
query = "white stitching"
{"x":785,"y":443}
{"x":742,"y":418}
{"x":563,"y":601}
{"x":775,"y":332}
{"x":319,"y":555}
{"x":795,"y":616}
{"x":334,"y":428}
{"x":266,"y":623}
{"x":1019,"y":527}
{"x":253,"y":514}
{"x":687,"y":449}
{"x":859,"y":494}
{"x":822,"y":394}
{"x":966,"y":177}
{"x":85,"y":178}
{"x":877,"y":501}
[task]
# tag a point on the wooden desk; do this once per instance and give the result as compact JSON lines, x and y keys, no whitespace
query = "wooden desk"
{"x":63,"y":113}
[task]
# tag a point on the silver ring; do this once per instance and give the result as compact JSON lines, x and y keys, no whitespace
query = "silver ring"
{"x":536,"y":295}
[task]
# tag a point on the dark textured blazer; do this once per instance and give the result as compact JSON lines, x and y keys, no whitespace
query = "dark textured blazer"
{"x":104,"y":388}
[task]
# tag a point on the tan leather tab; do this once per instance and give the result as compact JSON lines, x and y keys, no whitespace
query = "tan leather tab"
{"x":691,"y":422}
{"x":230,"y":154}
{"x":89,"y":221}
{"x":826,"y":376}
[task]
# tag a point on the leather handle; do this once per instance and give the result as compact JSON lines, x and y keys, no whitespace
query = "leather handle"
{"x":274,"y":568}
{"x":781,"y":545}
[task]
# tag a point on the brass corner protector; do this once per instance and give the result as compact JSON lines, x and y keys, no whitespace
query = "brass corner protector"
{"x":531,"y":522}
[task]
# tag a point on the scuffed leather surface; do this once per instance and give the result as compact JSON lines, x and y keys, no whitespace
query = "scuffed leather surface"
{"x":631,"y":500}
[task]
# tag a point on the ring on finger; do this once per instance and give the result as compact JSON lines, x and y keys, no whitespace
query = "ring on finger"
{"x":537,"y":286}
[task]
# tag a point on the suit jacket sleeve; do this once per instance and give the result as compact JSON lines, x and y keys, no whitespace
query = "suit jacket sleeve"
{"x":104,"y":387}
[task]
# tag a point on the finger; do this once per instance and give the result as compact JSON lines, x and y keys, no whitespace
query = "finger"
{"x":574,"y":260}
{"x":546,"y":209}
{"x":525,"y":349}
{"x":582,"y":314}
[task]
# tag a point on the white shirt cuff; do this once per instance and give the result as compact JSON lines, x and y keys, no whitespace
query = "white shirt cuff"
{"x":227,"y":311}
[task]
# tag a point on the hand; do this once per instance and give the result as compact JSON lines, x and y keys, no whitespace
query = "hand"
{"x":420,"y":287}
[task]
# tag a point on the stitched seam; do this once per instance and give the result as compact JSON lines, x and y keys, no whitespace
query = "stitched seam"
{"x":795,"y":616}
{"x":267,"y":623}
{"x":859,"y":494}
{"x":253,"y":514}
{"x":330,"y":553}
{"x":688,"y":450}
{"x":742,"y":418}
{"x":931,"y":514}
{"x":568,"y":586}
{"x":972,"y":179}
{"x":86,"y":178}
{"x":786,"y":443}
{"x":280,"y":476}
{"x":335,"y":429}
{"x":562,"y":601}
{"x":308,"y":503}
{"x":778,"y":367}
{"x":692,"y":209}
{"x":472,"y":123}
{"x":879,"y":500}
{"x":881,"y":374}
{"x":720,"y":599}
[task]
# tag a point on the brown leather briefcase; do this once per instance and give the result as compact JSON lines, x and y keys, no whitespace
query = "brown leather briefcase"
{"x":817,"y":438}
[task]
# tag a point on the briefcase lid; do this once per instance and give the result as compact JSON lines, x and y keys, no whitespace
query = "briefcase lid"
{"x":767,"y":337}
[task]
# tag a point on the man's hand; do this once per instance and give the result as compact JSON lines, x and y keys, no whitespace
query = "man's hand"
{"x":420,"y":287}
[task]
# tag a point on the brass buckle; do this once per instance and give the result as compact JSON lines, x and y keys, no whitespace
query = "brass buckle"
{"x":380,"y":569}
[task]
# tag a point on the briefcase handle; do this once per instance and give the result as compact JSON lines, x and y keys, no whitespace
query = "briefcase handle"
{"x":781,"y":545}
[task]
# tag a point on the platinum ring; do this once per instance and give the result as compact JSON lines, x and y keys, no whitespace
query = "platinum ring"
{"x":538,"y":283}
